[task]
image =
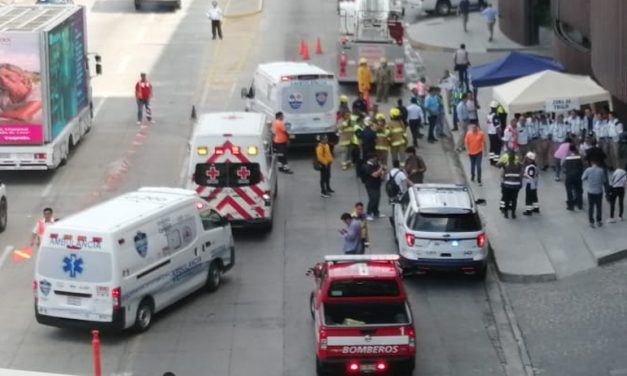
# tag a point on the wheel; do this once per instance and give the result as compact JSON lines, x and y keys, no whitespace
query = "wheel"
{"x":276,"y":190}
{"x":214,"y":276}
{"x":319,"y":370}
{"x":480,"y":274}
{"x":137,"y":5}
{"x":443,"y":7}
{"x":143,"y":318}
{"x":3,"y":214}
{"x":178,"y":4}
{"x":312,"y":309}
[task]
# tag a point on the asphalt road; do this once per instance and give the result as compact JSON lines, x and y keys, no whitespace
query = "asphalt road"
{"x":257,"y":323}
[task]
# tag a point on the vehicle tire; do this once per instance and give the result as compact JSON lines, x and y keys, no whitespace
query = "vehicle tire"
{"x":443,"y":7}
{"x":144,"y":315}
{"x":137,"y":5}
{"x":3,"y":214}
{"x":480,"y":274}
{"x":319,"y":370}
{"x":214,"y":276}
{"x":276,"y":190}
{"x":311,"y":306}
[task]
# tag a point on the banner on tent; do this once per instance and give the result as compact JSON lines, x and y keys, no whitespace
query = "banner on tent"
{"x":561,"y":104}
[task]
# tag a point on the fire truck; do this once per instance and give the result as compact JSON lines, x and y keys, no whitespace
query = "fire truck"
{"x":363,"y":322}
{"x":370,"y":29}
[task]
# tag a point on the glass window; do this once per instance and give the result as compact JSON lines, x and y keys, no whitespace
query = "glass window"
{"x":355,"y":288}
{"x":210,"y":219}
{"x":81,"y":266}
{"x":227,"y":174}
{"x":354,"y":314}
{"x":465,"y":222}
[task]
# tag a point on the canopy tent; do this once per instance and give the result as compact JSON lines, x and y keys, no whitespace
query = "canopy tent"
{"x":549,"y":91}
{"x":510,"y":67}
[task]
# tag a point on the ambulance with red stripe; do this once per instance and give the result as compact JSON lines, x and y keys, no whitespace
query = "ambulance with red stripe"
{"x":363,"y":322}
{"x":232,"y":166}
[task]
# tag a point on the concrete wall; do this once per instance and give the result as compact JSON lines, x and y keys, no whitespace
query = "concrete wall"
{"x":514,"y":20}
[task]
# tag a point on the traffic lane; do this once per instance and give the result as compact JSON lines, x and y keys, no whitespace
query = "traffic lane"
{"x":576,"y":325}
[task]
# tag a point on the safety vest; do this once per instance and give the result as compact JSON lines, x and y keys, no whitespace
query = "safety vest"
{"x":397,"y":133}
{"x":383,"y":139}
{"x":512,"y":176}
{"x":356,"y":129}
{"x":346,"y":133}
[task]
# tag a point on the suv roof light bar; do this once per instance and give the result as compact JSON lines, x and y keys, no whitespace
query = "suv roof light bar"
{"x":361,"y":258}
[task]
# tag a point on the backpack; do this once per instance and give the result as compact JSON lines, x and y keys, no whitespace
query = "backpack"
{"x":391,"y":188}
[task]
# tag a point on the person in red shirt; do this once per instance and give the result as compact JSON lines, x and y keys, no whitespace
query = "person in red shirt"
{"x":143,"y":94}
{"x":280,"y":140}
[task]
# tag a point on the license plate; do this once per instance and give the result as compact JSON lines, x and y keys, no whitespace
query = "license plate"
{"x":367,"y":368}
{"x":73,"y":301}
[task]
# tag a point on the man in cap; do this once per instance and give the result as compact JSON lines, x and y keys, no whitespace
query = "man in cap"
{"x":383,"y":79}
{"x":364,"y":79}
{"x":530,"y":182}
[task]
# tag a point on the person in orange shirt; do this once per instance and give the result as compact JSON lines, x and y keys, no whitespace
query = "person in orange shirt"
{"x":40,"y":227}
{"x":475,"y":141}
{"x":325,"y":159}
{"x":280,"y":141}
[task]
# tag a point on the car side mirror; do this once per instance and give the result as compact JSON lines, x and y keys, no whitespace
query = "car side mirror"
{"x":244,"y":92}
{"x":313,"y":272}
{"x":480,"y":201}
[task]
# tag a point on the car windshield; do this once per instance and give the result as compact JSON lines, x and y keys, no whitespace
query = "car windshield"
{"x":463,"y":222}
{"x":357,"y":288}
{"x":355,"y":314}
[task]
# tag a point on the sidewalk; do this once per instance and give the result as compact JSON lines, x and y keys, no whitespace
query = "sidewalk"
{"x":552,"y":245}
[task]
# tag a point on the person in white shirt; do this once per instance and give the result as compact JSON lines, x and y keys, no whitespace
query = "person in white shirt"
{"x":415,"y":118}
{"x":523,"y":137}
{"x":559,"y":132}
{"x":576,"y":126}
{"x":602,"y":133}
{"x":461,"y":63}
{"x":615,"y":129}
{"x":215,"y":15}
{"x":543,"y":145}
{"x":494,"y":130}
{"x":510,"y":136}
{"x":400,"y":177}
{"x":617,"y":192}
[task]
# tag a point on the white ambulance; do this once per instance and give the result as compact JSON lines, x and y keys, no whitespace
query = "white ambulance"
{"x":115,"y":264}
{"x":232,"y":166}
{"x":306,"y":94}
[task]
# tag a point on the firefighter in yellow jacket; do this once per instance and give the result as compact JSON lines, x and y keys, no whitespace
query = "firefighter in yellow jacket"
{"x":398,"y":140}
{"x":364,"y":79}
{"x":382,"y":145}
{"x":346,"y":131}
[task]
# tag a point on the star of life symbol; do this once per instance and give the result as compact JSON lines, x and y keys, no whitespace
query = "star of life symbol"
{"x":212,"y":173}
{"x":73,"y":265}
{"x":243,"y":173}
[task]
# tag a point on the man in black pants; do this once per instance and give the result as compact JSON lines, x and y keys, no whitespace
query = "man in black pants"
{"x":372,"y":177}
{"x":215,"y":15}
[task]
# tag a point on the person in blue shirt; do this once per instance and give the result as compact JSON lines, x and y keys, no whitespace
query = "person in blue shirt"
{"x":432,"y":108}
{"x":489,"y":13}
{"x":353,"y":244}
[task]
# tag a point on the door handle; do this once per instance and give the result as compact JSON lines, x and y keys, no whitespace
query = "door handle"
{"x":203,"y":247}
{"x":195,"y":251}
{"x":208,"y":244}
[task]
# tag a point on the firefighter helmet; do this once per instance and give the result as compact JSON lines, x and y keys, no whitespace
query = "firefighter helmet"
{"x":395,"y":112}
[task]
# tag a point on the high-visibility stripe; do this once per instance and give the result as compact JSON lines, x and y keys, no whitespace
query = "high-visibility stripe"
{"x":249,"y":200}
{"x":228,"y":200}
{"x":363,"y":340}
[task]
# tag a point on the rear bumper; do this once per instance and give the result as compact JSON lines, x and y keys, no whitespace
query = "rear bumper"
{"x":246,"y":223}
{"x":116,"y":325}
{"x":454,"y":265}
{"x":396,"y":365}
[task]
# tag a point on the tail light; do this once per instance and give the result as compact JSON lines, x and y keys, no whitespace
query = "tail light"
{"x":399,"y":70}
{"x":219,"y":150}
{"x":267,"y":198}
{"x":323,"y":339}
{"x":40,"y":156}
{"x":381,"y":365}
{"x":116,"y":297}
{"x":343,"y":63}
{"x":411,"y":333}
{"x":410,"y":239}
{"x":35,"y":290}
{"x":235,"y":150}
{"x":352,"y":366}
{"x":481,"y":240}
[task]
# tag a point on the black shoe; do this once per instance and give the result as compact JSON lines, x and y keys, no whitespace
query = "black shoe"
{"x":570,"y":208}
{"x":513,"y":215}
{"x":505,"y":214}
{"x":472,"y":178}
{"x":526,"y":212}
{"x":536,"y":210}
{"x":330,"y":190}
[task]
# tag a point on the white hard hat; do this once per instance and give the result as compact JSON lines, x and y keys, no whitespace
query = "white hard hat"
{"x":531,"y":155}
{"x":494,"y":104}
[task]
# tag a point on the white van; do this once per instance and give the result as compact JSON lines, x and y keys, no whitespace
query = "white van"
{"x":306,"y":94}
{"x":115,"y":264}
{"x":232,"y":166}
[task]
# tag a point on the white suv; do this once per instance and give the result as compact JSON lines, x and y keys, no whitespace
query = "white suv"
{"x":3,"y":207}
{"x":438,"y":227}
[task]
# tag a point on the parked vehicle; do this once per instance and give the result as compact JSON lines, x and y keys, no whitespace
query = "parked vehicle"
{"x":3,"y":207}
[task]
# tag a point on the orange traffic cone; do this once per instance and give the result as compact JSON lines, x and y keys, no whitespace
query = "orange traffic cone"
{"x":301,"y":52}
{"x":318,"y":47}
{"x":305,"y":51}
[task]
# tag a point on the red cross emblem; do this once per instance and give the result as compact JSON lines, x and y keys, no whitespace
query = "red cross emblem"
{"x":243,"y":173}
{"x":212,"y":173}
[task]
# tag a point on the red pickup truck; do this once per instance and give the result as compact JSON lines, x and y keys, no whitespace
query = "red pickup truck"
{"x":363,"y":322}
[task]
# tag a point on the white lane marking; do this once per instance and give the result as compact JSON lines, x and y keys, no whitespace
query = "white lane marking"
{"x":123,"y":64}
{"x":99,"y":106}
{"x":5,"y":254}
{"x":46,"y":190}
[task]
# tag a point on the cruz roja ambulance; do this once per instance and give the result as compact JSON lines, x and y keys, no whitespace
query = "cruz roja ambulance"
{"x":114,"y":265}
{"x":306,"y":94}
{"x":232,"y":166}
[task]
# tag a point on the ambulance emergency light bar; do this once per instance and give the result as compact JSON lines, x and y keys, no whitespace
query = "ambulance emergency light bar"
{"x":361,"y":258}
{"x":307,"y":77}
{"x":220,"y":150}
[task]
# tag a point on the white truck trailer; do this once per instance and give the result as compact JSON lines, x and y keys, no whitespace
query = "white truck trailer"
{"x":45,"y":92}
{"x":370,"y":29}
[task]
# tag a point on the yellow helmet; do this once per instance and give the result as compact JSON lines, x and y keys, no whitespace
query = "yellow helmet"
{"x":395,"y":112}
{"x":343,"y":98}
{"x":379,"y":116}
{"x":363,"y":61}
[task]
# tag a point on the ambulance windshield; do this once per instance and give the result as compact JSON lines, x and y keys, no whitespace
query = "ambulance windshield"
{"x":227,"y":174}
{"x":75,"y":265}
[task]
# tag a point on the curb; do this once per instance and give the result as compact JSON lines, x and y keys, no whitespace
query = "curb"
{"x":612,"y":257}
{"x":246,"y":14}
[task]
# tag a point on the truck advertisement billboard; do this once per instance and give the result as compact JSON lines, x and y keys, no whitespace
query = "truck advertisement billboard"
{"x":20,"y":89}
{"x":67,"y":72}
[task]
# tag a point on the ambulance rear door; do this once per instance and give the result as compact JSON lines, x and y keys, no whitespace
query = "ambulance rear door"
{"x":309,"y":102}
